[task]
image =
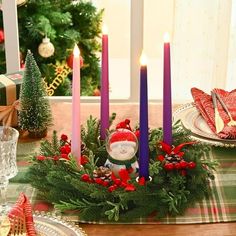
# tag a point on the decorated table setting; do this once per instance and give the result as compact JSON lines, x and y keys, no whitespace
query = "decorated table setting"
{"x":127,"y":163}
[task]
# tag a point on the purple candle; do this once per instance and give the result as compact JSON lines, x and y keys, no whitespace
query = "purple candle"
{"x":143,"y":120}
{"x":104,"y":87}
{"x":167,"y":106}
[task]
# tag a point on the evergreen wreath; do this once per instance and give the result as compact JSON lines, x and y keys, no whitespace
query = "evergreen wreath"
{"x":180,"y":177}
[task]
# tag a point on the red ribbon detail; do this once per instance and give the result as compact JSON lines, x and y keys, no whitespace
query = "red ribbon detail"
{"x":172,"y":150}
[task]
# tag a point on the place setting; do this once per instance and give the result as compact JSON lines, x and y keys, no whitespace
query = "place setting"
{"x":210,"y":117}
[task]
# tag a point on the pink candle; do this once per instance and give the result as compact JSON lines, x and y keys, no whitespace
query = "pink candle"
{"x":76,"y":136}
{"x":104,"y":87}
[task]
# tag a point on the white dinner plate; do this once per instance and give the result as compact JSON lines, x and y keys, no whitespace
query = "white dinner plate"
{"x":193,"y":121}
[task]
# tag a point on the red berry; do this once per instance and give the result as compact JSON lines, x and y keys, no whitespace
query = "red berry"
{"x":183,"y":164}
{"x":183,"y":172}
{"x":112,"y":188}
{"x":169,"y":166}
{"x":105,"y":183}
{"x":130,"y":188}
{"x":99,"y":181}
{"x":56,"y":158}
{"x":191,"y":165}
{"x":40,"y":158}
{"x":65,"y":149}
{"x":65,"y":156}
{"x":83,"y":160}
{"x":177,"y":166}
{"x":123,"y":185}
{"x":64,"y":137}
{"x":85,"y":177}
{"x":117,"y":182}
{"x":141,"y":181}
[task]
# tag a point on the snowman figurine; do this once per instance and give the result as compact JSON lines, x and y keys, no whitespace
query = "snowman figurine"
{"x":122,"y":146}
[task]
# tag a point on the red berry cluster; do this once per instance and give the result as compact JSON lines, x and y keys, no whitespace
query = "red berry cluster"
{"x":176,"y":162}
{"x":114,"y":183}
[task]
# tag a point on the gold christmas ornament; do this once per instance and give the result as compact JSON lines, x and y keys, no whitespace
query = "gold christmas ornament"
{"x":46,"y":48}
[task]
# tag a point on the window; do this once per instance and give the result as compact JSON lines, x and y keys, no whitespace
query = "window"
{"x":203,"y":37}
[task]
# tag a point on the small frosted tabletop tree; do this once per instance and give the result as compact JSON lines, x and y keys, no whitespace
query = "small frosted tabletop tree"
{"x":35,"y":113}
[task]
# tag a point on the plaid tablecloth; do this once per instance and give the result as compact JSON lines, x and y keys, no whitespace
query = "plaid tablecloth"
{"x":220,"y":208}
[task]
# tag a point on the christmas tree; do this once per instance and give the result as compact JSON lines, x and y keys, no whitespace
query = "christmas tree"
{"x":35,"y":114}
{"x":50,"y":29}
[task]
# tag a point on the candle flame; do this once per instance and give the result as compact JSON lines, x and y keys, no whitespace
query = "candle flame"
{"x":104,"y":29}
{"x":166,"y":38}
{"x":143,"y":59}
{"x":76,"y":51}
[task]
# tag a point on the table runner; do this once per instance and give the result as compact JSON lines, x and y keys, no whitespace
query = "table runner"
{"x":221,"y":207}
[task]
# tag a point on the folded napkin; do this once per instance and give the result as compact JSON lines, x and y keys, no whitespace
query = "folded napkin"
{"x":21,"y":217}
{"x":204,"y":104}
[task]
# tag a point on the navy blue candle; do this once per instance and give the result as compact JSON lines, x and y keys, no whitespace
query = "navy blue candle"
{"x":143,"y":122}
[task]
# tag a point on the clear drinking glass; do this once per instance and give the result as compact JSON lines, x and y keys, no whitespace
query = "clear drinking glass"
{"x":8,"y":167}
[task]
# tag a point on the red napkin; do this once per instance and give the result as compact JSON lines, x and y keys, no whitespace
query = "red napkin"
{"x":21,"y":217}
{"x":203,"y":102}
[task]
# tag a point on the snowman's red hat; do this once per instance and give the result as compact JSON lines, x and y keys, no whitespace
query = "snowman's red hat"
{"x":123,"y":136}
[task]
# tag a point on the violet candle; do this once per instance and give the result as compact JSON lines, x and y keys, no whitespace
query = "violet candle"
{"x":143,"y":120}
{"x":167,"y":104}
{"x":104,"y":86}
{"x":76,"y":132}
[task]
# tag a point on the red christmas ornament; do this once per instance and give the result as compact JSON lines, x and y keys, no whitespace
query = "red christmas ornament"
{"x":69,"y":61}
{"x":96,"y":92}
{"x":2,"y":38}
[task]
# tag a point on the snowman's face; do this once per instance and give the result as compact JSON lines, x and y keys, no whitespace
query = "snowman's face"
{"x":123,"y":150}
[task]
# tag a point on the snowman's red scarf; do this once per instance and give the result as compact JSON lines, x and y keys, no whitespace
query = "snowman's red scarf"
{"x":126,"y":163}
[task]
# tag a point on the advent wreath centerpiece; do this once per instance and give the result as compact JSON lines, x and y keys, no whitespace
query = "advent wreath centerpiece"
{"x":179,"y":175}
